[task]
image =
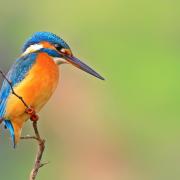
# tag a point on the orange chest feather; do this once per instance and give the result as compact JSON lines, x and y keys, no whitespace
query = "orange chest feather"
{"x":44,"y":74}
{"x":41,"y":80}
{"x":45,"y":70}
{"x":37,"y":87}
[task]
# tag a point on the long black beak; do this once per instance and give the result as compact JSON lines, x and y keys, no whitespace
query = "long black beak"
{"x":79,"y":64}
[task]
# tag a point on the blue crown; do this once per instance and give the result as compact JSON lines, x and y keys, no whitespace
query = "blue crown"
{"x":45,"y":36}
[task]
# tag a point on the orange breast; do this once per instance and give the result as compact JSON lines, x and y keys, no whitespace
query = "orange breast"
{"x":36,"y":88}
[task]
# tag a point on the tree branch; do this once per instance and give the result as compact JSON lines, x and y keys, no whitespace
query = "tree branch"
{"x":41,"y":147}
{"x":34,"y":118}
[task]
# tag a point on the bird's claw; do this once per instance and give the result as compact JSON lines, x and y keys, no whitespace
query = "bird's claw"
{"x":30,"y":110}
{"x":32,"y":113}
{"x":34,"y":117}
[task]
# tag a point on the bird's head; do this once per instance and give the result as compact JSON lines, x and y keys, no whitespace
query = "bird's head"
{"x":57,"y":48}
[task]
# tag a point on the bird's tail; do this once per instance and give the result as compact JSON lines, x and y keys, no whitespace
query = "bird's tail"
{"x":15,"y":131}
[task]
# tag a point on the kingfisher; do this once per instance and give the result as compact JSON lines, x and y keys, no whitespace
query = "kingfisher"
{"x":34,"y":77}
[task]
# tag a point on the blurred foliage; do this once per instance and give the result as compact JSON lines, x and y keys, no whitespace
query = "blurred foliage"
{"x":135,"y":45}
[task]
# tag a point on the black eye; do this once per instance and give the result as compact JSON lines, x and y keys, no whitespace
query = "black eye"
{"x":58,"y":47}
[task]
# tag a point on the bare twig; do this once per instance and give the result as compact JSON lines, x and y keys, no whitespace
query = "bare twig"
{"x":1,"y":120}
{"x":41,"y":147}
{"x":34,"y":118}
{"x":12,"y":89}
{"x":29,"y":137}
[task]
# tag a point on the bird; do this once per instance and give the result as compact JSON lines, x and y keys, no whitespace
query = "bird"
{"x":34,"y":76}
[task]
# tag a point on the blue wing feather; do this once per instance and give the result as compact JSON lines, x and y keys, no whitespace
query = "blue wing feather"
{"x":16,"y":74}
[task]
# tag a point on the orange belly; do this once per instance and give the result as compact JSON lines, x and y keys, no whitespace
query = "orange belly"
{"x":36,"y":88}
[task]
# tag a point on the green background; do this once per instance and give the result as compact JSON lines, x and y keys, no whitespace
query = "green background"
{"x":126,"y":127}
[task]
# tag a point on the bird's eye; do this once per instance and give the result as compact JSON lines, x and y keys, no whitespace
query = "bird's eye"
{"x":58,"y":47}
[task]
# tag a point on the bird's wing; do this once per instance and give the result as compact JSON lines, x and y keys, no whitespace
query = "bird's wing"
{"x":15,"y":75}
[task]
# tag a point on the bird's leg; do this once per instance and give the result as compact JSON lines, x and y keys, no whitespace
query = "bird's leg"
{"x":32,"y":113}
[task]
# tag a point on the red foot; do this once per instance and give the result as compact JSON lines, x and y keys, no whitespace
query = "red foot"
{"x":32,"y":114}
{"x":34,"y":117}
{"x":30,"y":111}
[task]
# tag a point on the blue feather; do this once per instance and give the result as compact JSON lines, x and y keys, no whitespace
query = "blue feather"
{"x":45,"y":36}
{"x":50,"y":52}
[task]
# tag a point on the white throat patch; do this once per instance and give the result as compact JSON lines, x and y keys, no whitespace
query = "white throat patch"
{"x":59,"y":61}
{"x":32,"y":48}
